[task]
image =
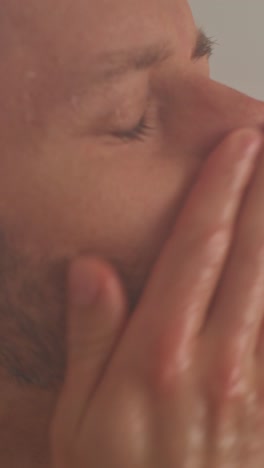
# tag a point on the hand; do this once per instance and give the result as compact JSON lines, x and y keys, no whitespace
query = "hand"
{"x":181,"y":382}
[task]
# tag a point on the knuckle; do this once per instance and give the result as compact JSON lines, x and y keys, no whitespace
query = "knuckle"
{"x":212,"y":239}
{"x":216,"y":234}
{"x":229,"y":384}
{"x":171,"y":362}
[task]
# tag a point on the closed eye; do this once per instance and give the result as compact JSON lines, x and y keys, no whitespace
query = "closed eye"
{"x":139,"y":132}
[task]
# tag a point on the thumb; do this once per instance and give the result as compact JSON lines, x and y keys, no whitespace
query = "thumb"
{"x":97,"y":313}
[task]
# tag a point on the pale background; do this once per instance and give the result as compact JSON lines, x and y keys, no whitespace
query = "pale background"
{"x":238,"y":26}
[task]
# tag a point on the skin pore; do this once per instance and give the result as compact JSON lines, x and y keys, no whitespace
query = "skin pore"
{"x":107,"y":114}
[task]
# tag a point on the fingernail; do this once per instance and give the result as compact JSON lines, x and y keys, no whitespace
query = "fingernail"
{"x":83,"y":283}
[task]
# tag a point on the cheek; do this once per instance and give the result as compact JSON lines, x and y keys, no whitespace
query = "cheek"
{"x":131,"y":204}
{"x":115,"y":206}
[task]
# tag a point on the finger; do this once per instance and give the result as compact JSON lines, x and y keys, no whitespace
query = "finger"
{"x":260,"y":345}
{"x":175,"y":301}
{"x":96,"y":317}
{"x":237,"y":313}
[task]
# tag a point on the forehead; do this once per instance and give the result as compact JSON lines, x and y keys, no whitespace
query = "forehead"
{"x":52,"y":43}
{"x":92,"y":26}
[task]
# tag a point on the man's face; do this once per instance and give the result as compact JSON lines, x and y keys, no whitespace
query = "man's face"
{"x":107,"y":113}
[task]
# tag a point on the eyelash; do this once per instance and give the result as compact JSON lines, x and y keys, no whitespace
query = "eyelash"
{"x":138,"y":133}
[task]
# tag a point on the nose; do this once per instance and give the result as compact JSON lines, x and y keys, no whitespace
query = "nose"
{"x":207,"y":110}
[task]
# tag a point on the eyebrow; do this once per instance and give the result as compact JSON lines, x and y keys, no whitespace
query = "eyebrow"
{"x":111,"y":65}
{"x":204,"y":46}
